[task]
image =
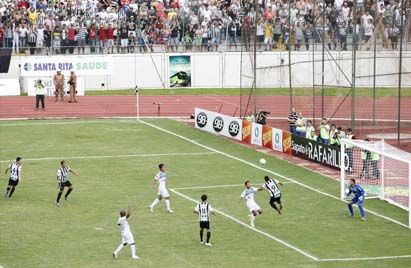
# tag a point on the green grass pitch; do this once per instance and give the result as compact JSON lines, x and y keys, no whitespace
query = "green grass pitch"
{"x":83,"y":231}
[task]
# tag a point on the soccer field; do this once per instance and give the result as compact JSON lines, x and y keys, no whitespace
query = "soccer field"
{"x":117,"y":159}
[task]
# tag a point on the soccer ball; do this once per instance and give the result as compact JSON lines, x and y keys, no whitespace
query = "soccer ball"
{"x":262,"y":161}
{"x":347,"y":191}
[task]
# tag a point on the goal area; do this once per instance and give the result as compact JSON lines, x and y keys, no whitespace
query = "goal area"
{"x":383,"y":170}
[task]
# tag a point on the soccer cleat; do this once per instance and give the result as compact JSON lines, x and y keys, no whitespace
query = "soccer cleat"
{"x":66,"y":198}
{"x":6,"y":195}
{"x":279,"y":211}
{"x":135,"y":257}
{"x":114,"y":255}
{"x":252,"y":224}
{"x":151,"y":209}
{"x":202,"y":242}
{"x":363,"y":219}
{"x":208,"y":244}
{"x":57,"y":204}
{"x":170,"y":211}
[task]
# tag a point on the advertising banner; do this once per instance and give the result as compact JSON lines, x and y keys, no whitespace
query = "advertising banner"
{"x":49,"y":86}
{"x":268,"y":137}
{"x":180,"y":71}
{"x":315,"y":151}
{"x":257,"y":134}
{"x":9,"y":87}
{"x":287,"y":142}
{"x":218,"y":123}
{"x":48,"y":66}
{"x":246,"y":131}
{"x":277,"y":139}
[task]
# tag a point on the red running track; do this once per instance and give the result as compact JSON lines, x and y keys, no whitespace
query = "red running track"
{"x":112,"y":106}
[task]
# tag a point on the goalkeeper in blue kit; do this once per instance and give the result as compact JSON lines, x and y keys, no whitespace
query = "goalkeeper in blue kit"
{"x":359,"y":195}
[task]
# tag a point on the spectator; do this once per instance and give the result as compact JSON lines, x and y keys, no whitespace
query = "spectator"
{"x":92,"y":38}
{"x":1,"y":36}
{"x":324,"y":132}
{"x":311,"y":135}
{"x":292,"y":118}
{"x":349,"y":150}
{"x":365,"y":157}
{"x":268,"y":35}
{"x":300,"y":124}
{"x":333,"y":135}
{"x":375,"y":158}
{"x":72,"y":39}
{"x":16,"y":40}
{"x":81,"y":38}
{"x":310,"y":130}
{"x":31,"y":40}
{"x":393,"y":32}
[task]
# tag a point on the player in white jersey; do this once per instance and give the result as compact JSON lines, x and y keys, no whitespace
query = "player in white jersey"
{"x":62,"y":178}
{"x":15,"y":176}
{"x":248,"y":195}
{"x":271,"y":185}
{"x":203,"y":209}
{"x":161,"y":179}
{"x":126,"y":235}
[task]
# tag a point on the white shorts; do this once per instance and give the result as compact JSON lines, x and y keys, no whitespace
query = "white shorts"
{"x":127,"y":238}
{"x":268,"y":40}
{"x":162,"y":190}
{"x":252,"y":206}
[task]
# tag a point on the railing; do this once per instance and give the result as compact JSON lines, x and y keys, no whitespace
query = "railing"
{"x":336,"y":44}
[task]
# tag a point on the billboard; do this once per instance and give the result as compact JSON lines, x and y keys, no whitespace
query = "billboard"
{"x":180,"y":71}
{"x":316,"y":151}
{"x":224,"y":125}
{"x":48,"y":66}
{"x":277,"y":139}
{"x":268,"y":137}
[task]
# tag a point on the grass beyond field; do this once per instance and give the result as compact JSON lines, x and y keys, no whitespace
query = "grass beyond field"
{"x":117,"y":160}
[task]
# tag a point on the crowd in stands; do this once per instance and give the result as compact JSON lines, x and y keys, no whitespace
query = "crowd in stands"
{"x":121,"y":26}
{"x":327,"y":134}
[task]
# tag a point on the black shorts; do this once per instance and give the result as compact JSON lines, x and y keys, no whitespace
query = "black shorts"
{"x":64,"y":184}
{"x":275,"y":199}
{"x":205,"y":225}
{"x":13,"y":182}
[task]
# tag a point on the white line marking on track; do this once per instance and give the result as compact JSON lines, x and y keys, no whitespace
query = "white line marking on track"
{"x":52,"y":123}
{"x":268,"y":171}
{"x":110,"y":156}
{"x":217,"y":186}
{"x":252,"y":228}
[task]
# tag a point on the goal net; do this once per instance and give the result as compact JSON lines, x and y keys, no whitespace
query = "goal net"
{"x":384,"y":171}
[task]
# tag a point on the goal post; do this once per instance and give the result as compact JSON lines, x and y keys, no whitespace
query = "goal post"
{"x":383,"y":170}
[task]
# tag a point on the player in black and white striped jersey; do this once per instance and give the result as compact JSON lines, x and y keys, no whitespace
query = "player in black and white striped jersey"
{"x":272,"y":186}
{"x":204,"y":210}
{"x":62,"y":178}
{"x":15,"y":176}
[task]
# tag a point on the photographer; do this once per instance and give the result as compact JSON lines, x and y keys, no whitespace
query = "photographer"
{"x":261,"y":117}
{"x":40,"y":90}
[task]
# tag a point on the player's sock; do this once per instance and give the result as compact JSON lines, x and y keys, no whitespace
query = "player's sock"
{"x":155,"y":202}
{"x":119,"y":249}
{"x":208,"y":236}
{"x":7,"y":192}
{"x":133,"y":250}
{"x":58,"y":197}
{"x":68,"y":192}
{"x":168,"y":204}
{"x":361,"y":211}
{"x":351,"y":210}
{"x":201,"y":235}
{"x":12,"y":191}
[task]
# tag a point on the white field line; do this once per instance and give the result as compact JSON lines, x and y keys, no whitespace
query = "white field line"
{"x":217,"y":186}
{"x":252,"y":228}
{"x":110,"y":156}
{"x":367,"y":258}
{"x":268,"y":171}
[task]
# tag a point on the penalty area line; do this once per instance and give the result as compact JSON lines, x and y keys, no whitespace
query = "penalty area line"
{"x":367,"y":258}
{"x":217,"y":186}
{"x":302,"y":252}
{"x":268,"y":171}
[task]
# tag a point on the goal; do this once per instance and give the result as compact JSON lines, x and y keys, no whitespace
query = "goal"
{"x":384,"y":171}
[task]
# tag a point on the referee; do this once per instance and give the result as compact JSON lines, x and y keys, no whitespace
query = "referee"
{"x":204,"y":209}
